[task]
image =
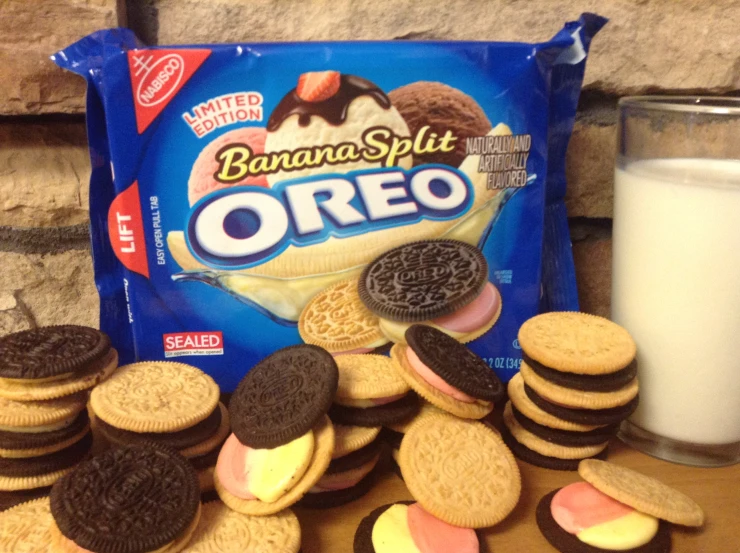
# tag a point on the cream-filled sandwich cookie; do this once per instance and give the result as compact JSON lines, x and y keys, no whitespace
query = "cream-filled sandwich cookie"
{"x":440,"y":283}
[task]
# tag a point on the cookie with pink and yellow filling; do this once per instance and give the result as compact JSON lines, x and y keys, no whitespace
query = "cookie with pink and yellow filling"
{"x":440,"y":283}
{"x":282,"y":440}
{"x":406,"y":527}
{"x":371,"y":393}
{"x":446,"y":373}
{"x":615,"y":509}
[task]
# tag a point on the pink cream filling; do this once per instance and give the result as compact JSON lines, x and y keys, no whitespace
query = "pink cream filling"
{"x":475,"y":315}
{"x":387,"y":400}
{"x":434,"y":380}
{"x":331,"y":483}
{"x":432,"y":535}
{"x":233,"y":467}
{"x":580,"y":506}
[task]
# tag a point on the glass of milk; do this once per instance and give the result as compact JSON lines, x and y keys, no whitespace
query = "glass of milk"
{"x":676,"y":273}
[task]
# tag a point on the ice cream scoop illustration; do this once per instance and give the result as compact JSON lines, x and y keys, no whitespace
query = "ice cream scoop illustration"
{"x":328,"y":110}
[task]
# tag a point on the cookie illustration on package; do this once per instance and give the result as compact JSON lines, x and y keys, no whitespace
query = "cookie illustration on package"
{"x":440,"y":283}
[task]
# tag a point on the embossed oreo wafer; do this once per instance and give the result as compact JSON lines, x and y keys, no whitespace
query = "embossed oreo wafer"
{"x":222,"y":529}
{"x":423,"y":280}
{"x":26,"y":528}
{"x":337,"y":320}
{"x":284,"y":396}
{"x":151,"y":489}
{"x":51,"y":352}
{"x":389,"y":413}
{"x":583,"y":416}
{"x":454,"y":363}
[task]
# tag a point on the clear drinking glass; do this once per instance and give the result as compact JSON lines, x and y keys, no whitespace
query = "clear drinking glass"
{"x":676,"y":273}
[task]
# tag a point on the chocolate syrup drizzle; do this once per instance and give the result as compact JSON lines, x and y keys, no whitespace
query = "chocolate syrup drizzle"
{"x":332,"y":110}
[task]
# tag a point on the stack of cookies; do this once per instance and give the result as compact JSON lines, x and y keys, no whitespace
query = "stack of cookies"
{"x":370,"y":394}
{"x":171,"y":404}
{"x":578,"y":381}
{"x":44,"y":428}
{"x":282,"y":441}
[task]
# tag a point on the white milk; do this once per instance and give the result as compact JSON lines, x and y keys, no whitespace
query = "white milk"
{"x":676,"y":288}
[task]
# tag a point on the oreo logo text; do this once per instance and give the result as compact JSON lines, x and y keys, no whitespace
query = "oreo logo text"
{"x":244,"y":226}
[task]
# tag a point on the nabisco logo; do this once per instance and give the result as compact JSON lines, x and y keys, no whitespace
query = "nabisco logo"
{"x":160,"y":80}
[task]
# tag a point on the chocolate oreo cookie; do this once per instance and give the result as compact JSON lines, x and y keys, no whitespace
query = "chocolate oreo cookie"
{"x":182,"y":439}
{"x":127,"y":500}
{"x":47,"y":464}
{"x":283,"y":396}
{"x":423,"y":280}
{"x":206,"y":461}
{"x":389,"y":413}
{"x":391,"y":437}
{"x":455,"y":363}
{"x":595,"y":417}
{"x":51,"y":351}
{"x":11,"y":499}
{"x":537,"y":459}
{"x":565,"y":437}
{"x":588,"y":383}
{"x":569,"y":543}
{"x":40,"y":440}
{"x":336,"y":498}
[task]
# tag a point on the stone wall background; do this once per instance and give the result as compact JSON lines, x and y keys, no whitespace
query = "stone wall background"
{"x":650,"y":46}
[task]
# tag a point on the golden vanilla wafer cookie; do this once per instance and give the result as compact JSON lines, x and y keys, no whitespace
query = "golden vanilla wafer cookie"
{"x":348,"y":439}
{"x":26,"y":528}
{"x":460,"y":471}
{"x":15,"y":483}
{"x":214,"y":441}
{"x":641,"y":492}
{"x":519,"y":398}
{"x":222,"y":529}
{"x":543,"y":447}
{"x":155,"y":396}
{"x":364,"y":376}
{"x":475,"y":410}
{"x":40,"y":416}
{"x":577,"y":343}
{"x":337,"y":320}
{"x":20,"y":390}
{"x":323,"y":448}
{"x":578,"y":399}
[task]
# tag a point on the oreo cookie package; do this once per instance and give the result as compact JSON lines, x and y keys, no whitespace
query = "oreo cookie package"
{"x":249,"y":197}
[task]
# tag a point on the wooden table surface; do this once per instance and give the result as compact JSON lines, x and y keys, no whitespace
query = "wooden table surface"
{"x":716,"y":490}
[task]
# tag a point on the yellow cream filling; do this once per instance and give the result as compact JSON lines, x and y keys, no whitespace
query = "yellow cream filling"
{"x":273,"y":472}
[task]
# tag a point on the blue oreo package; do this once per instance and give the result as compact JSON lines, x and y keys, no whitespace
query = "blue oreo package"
{"x":238,"y":191}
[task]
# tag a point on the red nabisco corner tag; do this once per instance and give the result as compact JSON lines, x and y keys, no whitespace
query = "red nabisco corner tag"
{"x":157,"y":76}
{"x":193,"y":343}
{"x":127,"y":230}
